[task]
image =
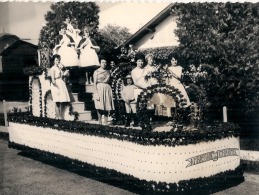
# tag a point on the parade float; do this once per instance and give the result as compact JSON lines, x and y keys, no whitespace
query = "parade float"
{"x":176,"y":158}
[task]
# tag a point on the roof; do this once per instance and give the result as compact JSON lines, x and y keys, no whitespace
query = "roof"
{"x":15,"y":44}
{"x":150,"y":26}
{"x":6,"y":40}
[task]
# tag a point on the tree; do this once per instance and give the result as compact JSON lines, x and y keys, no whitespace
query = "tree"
{"x":86,"y":14}
{"x":225,"y":36}
{"x":115,"y":33}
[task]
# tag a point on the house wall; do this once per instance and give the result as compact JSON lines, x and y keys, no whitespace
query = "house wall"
{"x":164,"y":35}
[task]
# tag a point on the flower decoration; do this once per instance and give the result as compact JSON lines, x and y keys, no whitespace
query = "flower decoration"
{"x":40,"y":94}
{"x":33,"y":70}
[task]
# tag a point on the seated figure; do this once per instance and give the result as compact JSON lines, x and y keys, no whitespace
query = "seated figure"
{"x":88,"y":49}
{"x":65,"y":47}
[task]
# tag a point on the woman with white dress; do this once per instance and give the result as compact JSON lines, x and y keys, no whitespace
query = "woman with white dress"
{"x":65,"y":47}
{"x":68,"y":24}
{"x":72,"y":29}
{"x":175,"y":72}
{"x":58,"y":87}
{"x":75,"y":32}
{"x":88,"y":49}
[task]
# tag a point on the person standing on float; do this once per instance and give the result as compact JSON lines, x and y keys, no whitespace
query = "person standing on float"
{"x":175,"y":72}
{"x":72,"y":29}
{"x":58,"y":87}
{"x":75,"y":33}
{"x":138,"y":76}
{"x":103,"y":98}
{"x":65,"y":47}
{"x":127,"y":94}
{"x":150,"y":68}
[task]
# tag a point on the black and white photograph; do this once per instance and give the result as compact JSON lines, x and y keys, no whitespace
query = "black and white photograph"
{"x":129,"y":97}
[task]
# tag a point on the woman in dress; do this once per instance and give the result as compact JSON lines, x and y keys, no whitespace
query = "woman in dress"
{"x":88,"y":49}
{"x":175,"y":72}
{"x":68,"y":24}
{"x":58,"y":87}
{"x":102,"y":91}
{"x":65,"y":47}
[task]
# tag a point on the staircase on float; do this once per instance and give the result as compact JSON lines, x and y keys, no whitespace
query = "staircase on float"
{"x":83,"y":104}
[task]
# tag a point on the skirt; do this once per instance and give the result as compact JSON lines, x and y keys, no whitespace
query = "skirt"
{"x":68,"y":56}
{"x":105,"y":101}
{"x":59,"y":92}
{"x":183,"y":92}
{"x":89,"y":57}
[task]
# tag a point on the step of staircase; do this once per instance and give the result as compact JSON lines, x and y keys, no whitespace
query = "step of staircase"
{"x":89,"y":88}
{"x":85,"y":96}
{"x":75,"y":97}
{"x":89,"y":106}
{"x":78,"y":106}
{"x":85,"y":116}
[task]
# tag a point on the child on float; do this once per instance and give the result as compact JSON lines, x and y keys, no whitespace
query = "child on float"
{"x":127,"y":94}
{"x":58,"y":87}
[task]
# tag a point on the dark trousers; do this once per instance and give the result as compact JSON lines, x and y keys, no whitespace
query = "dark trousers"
{"x":129,"y":117}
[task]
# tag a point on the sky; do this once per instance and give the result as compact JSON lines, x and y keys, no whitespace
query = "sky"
{"x":25,"y":19}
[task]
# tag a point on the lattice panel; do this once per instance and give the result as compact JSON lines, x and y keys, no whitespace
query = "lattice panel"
{"x":44,"y":55}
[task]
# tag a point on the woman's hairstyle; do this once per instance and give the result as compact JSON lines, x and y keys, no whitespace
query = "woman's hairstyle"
{"x":102,"y":57}
{"x":139,"y":56}
{"x":173,"y":55}
{"x":86,"y":27}
{"x":67,"y":16}
{"x":74,"y":22}
{"x":63,"y":26}
{"x":149,"y":55}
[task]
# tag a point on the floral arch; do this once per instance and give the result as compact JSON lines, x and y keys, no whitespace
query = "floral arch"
{"x":118,"y":76}
{"x":149,"y":92}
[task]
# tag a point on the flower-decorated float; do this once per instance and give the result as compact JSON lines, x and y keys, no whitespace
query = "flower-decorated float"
{"x":177,"y":156}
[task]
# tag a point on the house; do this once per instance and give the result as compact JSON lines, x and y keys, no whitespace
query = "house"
{"x":157,"y":33}
{"x":15,"y":54}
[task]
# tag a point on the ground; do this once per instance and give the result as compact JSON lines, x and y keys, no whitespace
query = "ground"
{"x":22,"y":174}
